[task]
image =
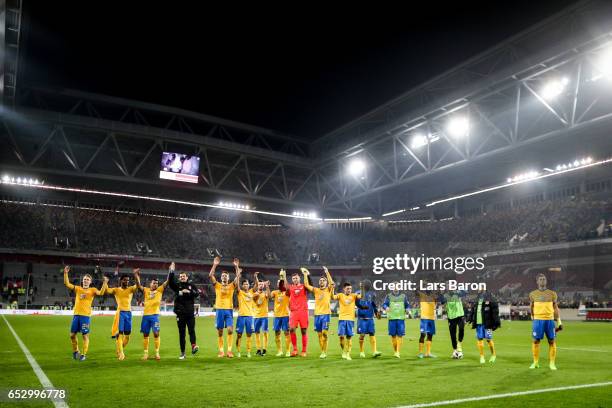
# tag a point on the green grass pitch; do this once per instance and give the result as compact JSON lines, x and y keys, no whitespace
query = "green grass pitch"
{"x":584,"y":357}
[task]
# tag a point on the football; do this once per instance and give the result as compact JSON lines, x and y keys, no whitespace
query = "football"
{"x":457,"y":355}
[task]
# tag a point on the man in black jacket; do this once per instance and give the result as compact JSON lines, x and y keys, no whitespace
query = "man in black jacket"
{"x":186,"y":293}
{"x":484,"y":316}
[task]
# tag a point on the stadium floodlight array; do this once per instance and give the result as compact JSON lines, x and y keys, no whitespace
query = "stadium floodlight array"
{"x":576,"y":163}
{"x":603,"y":64}
{"x":234,"y":206}
{"x":523,"y":176}
{"x":20,"y":180}
{"x":458,"y":126}
{"x":554,"y":88}
{"x":362,"y":219}
{"x":303,"y":214}
{"x":356,"y":167}
{"x":419,"y":140}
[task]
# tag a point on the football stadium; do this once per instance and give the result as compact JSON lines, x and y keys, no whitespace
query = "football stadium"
{"x":250,"y":207}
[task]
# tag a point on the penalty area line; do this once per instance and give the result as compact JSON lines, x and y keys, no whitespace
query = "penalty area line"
{"x":506,"y":395}
{"x":42,"y":377}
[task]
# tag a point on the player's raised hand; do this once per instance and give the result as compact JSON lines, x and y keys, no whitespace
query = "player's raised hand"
{"x":136,"y":271}
{"x":305,"y":271}
{"x":236,"y":262}
{"x":172,"y":267}
{"x":325,"y":269}
{"x":66,"y":268}
{"x":216,"y":261}
{"x":105,"y":278}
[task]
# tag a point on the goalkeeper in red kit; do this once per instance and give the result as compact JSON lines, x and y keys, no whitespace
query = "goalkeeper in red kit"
{"x":298,"y":309}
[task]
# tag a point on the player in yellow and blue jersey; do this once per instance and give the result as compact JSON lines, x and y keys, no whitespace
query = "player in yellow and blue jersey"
{"x":224,"y":304}
{"x":150,"y":317}
{"x":84,"y":296}
{"x":322,"y":313}
{"x":427,"y":304}
{"x":346,"y":318}
{"x":261,"y":314}
{"x":123,"y":297}
{"x":367,"y":310}
{"x":246,"y":311}
{"x":281,"y":320}
{"x":544,"y":312}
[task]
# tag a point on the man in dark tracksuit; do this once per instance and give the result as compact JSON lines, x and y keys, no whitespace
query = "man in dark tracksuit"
{"x":484,"y":316}
{"x":186,"y":293}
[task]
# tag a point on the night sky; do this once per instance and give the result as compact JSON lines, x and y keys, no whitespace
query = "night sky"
{"x":298,"y":69}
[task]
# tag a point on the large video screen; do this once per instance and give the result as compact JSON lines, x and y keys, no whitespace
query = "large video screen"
{"x":179,"y":167}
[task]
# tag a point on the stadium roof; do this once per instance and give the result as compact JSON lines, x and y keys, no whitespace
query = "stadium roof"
{"x":488,"y":118}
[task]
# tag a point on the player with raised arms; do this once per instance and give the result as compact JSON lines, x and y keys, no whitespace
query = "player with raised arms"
{"x":346,"y":318}
{"x":298,"y":307}
{"x":261,"y":314}
{"x":81,"y":320}
{"x":544,"y":312}
{"x":246,"y":312}
{"x":281,"y":320}
{"x":150,"y":317}
{"x":224,"y":304}
{"x":395,"y":305}
{"x":123,"y":297}
{"x":322,"y":314}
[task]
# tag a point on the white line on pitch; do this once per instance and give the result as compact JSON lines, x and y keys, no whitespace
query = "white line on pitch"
{"x":506,"y":395}
{"x":44,"y":380}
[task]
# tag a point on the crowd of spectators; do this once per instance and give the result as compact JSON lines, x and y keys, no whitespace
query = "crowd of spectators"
{"x":28,"y":226}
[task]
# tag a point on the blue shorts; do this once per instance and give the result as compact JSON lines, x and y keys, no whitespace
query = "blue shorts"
{"x":428,"y":326}
{"x":397,"y":327}
{"x":482,"y":333}
{"x":345,"y":328}
{"x":322,"y":322}
{"x":149,"y":322}
{"x":244,"y":323}
{"x":281,"y":323}
{"x":366,"y":326}
{"x":125,"y":322}
{"x":261,"y":324}
{"x":543,"y":327}
{"x":80,"y":324}
{"x":224,"y":318}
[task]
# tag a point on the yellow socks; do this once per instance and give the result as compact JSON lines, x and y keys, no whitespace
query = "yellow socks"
{"x":428,"y":347}
{"x":491,"y":346}
{"x":361,"y":345}
{"x":480,"y":347}
{"x":238,"y":340}
{"x":157,"y":341}
{"x":277,"y":340}
{"x":373,"y":343}
{"x":287,"y":341}
{"x":85,"y":345}
{"x":265,"y":340}
{"x":350,"y":345}
{"x":552,"y":352}
{"x":258,"y":341}
{"x":342,"y":344}
{"x":119,"y":343}
{"x":325,"y":340}
{"x":126,"y":339}
{"x":75,"y":344}
{"x":220,"y":343}
{"x":145,"y":343}
{"x":421,"y":346}
{"x":320,"y":336}
{"x":535,"y":350}
{"x":249,"y":343}
{"x":230,"y":339}
{"x":400,"y":341}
